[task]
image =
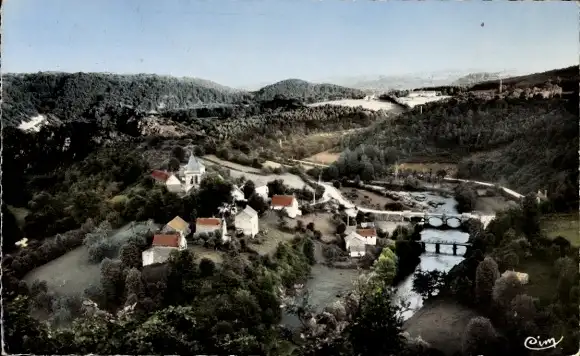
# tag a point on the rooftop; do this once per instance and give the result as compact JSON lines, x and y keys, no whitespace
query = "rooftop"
{"x":208,"y":222}
{"x":166,"y":240}
{"x":282,"y":200}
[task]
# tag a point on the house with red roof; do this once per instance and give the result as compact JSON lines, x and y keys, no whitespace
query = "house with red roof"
{"x":369,"y":235}
{"x":172,"y":183}
{"x":215,"y":225}
{"x":286,"y":203}
{"x":162,"y":247}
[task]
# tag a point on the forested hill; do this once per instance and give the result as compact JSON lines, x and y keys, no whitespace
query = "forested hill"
{"x":526,"y":144}
{"x":307,"y":92}
{"x":68,"y":96}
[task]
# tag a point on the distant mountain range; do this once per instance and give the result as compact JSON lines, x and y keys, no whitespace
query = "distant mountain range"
{"x":381,"y":83}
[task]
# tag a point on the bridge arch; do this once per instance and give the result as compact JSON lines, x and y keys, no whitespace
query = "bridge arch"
{"x":435,"y":221}
{"x":453,"y":222}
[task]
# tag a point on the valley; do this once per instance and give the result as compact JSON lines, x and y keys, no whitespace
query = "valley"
{"x":95,"y":186}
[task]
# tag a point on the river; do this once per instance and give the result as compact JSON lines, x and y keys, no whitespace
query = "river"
{"x":325,"y":284}
{"x":429,"y":259}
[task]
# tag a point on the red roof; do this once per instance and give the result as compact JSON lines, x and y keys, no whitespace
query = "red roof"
{"x":282,"y":200}
{"x":367,"y":232}
{"x":160,"y":175}
{"x":208,"y":221}
{"x":166,"y":240}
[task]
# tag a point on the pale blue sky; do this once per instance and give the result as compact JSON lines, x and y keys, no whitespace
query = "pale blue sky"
{"x":246,"y":42}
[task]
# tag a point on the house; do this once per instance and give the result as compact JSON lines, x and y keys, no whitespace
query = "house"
{"x":193,"y":173}
{"x":212,"y":225}
{"x":369,"y":235}
{"x":262,"y":191}
{"x":172,"y":183}
{"x":237,"y":194}
{"x":355,"y":244}
{"x":162,"y":247}
{"x":541,"y":196}
{"x":246,"y":222}
{"x":287,"y":203}
{"x":177,"y":225}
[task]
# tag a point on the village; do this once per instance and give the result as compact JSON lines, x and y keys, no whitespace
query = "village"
{"x":244,"y":221}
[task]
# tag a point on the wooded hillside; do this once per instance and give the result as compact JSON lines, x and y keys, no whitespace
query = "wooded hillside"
{"x":307,"y":92}
{"x":527,"y":144}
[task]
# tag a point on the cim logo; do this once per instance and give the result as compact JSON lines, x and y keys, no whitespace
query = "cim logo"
{"x":534,"y":343}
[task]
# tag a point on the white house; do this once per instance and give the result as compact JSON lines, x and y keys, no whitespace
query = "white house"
{"x":193,"y":173}
{"x":212,"y":225}
{"x":172,"y":183}
{"x":355,"y":244}
{"x":163,"y":245}
{"x":262,"y":191}
{"x":237,"y":194}
{"x":177,"y":225}
{"x":246,"y":222}
{"x":288,"y":203}
{"x":524,"y":278}
{"x":369,"y":235}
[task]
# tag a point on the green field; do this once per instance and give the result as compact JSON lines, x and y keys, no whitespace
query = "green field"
{"x":565,"y":225}
{"x":542,"y":283}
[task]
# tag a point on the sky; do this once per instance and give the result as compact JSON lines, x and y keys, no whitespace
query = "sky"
{"x":249,"y":42}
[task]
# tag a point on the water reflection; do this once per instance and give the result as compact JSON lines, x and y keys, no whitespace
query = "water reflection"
{"x":431,"y":261}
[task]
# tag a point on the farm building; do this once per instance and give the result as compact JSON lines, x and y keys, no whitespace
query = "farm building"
{"x":246,"y":222}
{"x":287,"y":203}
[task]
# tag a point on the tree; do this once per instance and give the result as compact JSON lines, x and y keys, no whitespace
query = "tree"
{"x":249,"y":189}
{"x":173,"y":164}
{"x":308,"y":250}
{"x":310,"y":226}
{"x":506,"y":288}
{"x":130,"y":255}
{"x":134,"y":283}
{"x":426,"y":283}
{"x":485,"y":275}
{"x":257,"y":203}
{"x":479,"y":337}
{"x":341,"y":228}
{"x":376,"y":327}
{"x":179,"y":153}
{"x":386,"y":266}
{"x":276,"y":187}
{"x":300,"y":226}
{"x":206,"y":267}
{"x":531,"y":216}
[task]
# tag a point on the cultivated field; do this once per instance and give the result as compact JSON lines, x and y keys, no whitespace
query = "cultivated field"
{"x":322,"y":222}
{"x":365,"y":198}
{"x":491,"y":205}
{"x":450,"y":168}
{"x":19,"y":215}
{"x":542,"y":283}
{"x":325,"y":157}
{"x":71,"y":273}
{"x":565,"y":225}
{"x":274,"y":236}
{"x":228,"y":164}
{"x":374,"y":105}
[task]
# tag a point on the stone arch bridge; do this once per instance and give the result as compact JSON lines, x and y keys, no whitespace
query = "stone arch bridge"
{"x":433,"y":219}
